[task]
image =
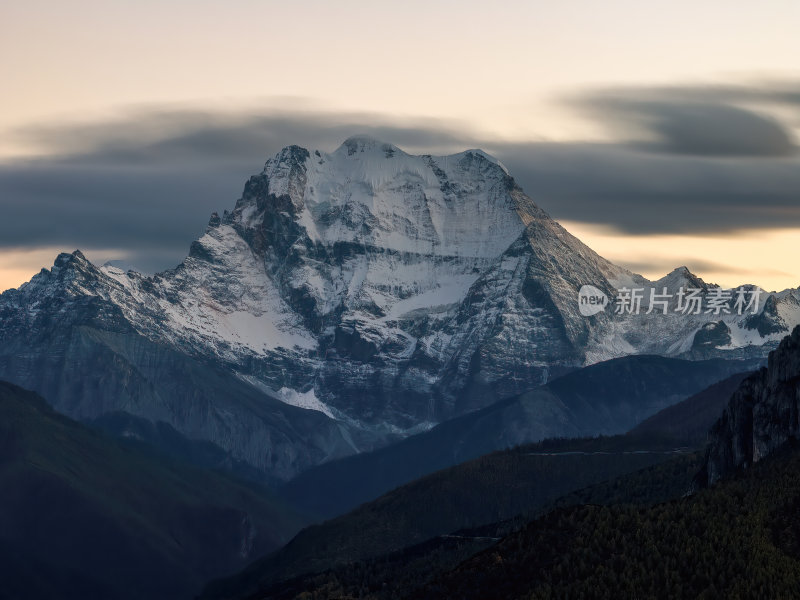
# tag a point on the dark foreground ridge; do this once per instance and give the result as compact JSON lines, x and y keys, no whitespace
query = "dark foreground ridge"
{"x":737,"y":540}
{"x":85,"y":516}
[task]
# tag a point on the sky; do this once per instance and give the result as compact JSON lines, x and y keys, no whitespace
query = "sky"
{"x":660,"y":133}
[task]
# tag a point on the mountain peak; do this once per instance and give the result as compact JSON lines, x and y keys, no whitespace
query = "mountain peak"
{"x":66,"y":258}
{"x":289,"y":155}
{"x":482,"y":154}
{"x":359,"y":144}
{"x":682,"y":277}
{"x":682,"y":271}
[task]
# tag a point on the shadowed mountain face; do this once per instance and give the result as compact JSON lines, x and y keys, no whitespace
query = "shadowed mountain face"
{"x":606,"y":398}
{"x":350,"y":299}
{"x":689,"y":421}
{"x":85,"y":516}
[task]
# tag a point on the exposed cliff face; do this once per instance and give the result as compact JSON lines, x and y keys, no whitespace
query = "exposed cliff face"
{"x":762,"y":414}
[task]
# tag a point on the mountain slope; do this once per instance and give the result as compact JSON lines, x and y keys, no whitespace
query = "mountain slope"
{"x":400,"y":573}
{"x":83,"y":515}
{"x":488,"y":489}
{"x":736,"y":540}
{"x":65,"y":339}
{"x":606,"y":398}
{"x":690,"y":420}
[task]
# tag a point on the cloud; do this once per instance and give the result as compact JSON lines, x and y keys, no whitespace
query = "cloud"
{"x":699,"y":121}
{"x":643,"y":193}
{"x":148,"y":211}
{"x":146,"y":182}
{"x":149,"y":135}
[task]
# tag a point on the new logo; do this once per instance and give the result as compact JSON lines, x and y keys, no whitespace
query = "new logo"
{"x":591,"y":300}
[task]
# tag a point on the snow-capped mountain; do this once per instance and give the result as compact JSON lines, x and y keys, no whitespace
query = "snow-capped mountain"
{"x":347,"y":298}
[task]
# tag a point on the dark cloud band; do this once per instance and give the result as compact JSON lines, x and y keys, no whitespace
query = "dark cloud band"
{"x":146,"y":183}
{"x":698,"y":121}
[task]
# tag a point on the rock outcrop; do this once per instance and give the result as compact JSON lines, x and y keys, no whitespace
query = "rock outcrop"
{"x":761,"y":417}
